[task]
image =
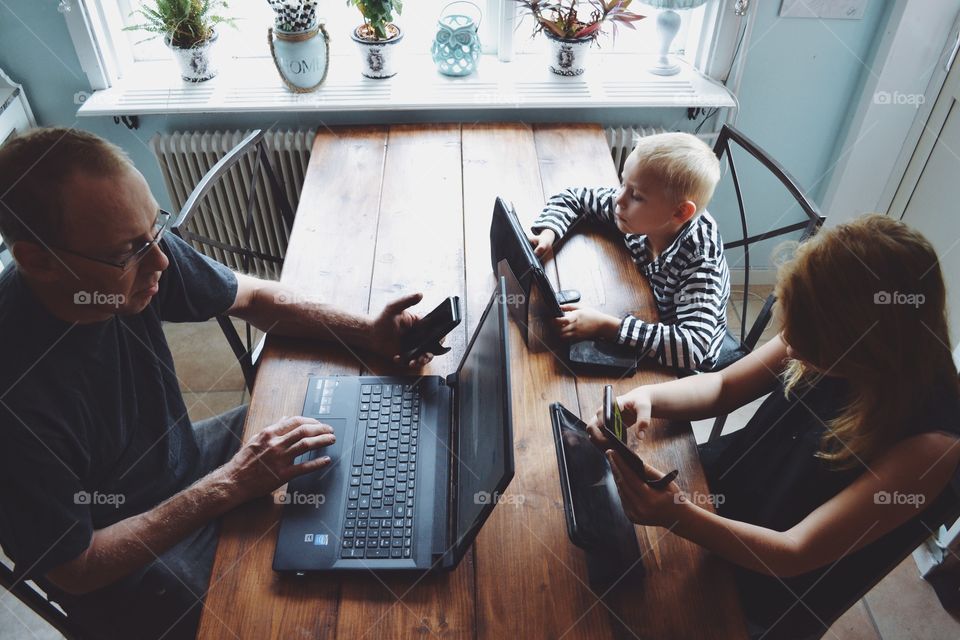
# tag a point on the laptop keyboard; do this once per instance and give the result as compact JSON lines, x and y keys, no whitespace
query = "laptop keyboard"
{"x":378,"y":522}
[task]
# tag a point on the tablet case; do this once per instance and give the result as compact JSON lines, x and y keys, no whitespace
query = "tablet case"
{"x":594,"y":514}
{"x":604,"y":357}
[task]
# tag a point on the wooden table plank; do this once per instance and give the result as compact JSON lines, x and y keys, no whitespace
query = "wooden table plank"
{"x":527,"y":584}
{"x":597,"y":263}
{"x":419,"y":248}
{"x":330,"y":256}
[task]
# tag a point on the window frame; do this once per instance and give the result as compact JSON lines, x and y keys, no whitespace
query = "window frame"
{"x":106,"y":59}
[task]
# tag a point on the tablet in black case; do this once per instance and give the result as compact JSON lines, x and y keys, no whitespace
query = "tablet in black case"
{"x":594,"y":514}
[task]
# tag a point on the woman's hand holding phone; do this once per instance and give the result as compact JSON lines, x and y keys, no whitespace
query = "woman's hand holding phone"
{"x":635,"y":409}
{"x":654,"y":502}
{"x":609,"y":431}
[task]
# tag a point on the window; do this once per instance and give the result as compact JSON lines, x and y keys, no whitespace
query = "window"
{"x":418,"y":21}
{"x":131,"y":66}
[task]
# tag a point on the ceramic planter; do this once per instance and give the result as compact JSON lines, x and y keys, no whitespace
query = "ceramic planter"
{"x":196,"y":62}
{"x":567,"y":56}
{"x":378,"y":56}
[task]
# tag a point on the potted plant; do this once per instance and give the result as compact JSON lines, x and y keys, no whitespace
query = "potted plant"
{"x":571,"y":32}
{"x":378,"y":37}
{"x":188,"y":28}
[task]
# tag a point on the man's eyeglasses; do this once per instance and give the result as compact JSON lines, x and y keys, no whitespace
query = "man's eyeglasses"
{"x":164,"y":219}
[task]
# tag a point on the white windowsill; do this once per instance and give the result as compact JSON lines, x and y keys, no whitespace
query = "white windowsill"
{"x":253,"y":85}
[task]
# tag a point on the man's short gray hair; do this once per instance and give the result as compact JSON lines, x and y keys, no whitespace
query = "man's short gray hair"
{"x":33,"y":169}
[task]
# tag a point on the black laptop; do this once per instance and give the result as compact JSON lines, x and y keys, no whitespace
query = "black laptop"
{"x":418,"y":465}
{"x":510,"y":250}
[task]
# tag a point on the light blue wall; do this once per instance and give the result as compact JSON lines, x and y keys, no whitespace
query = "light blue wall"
{"x":799,"y":80}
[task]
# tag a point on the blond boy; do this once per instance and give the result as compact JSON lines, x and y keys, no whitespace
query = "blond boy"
{"x":660,"y":210}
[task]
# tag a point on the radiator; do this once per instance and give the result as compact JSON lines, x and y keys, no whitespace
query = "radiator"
{"x":185,"y":157}
{"x":622,"y":141}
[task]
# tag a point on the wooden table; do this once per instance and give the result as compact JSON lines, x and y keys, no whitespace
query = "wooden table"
{"x":386,"y":211}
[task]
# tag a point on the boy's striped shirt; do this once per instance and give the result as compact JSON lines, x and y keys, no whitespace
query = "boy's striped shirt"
{"x":690,"y":281}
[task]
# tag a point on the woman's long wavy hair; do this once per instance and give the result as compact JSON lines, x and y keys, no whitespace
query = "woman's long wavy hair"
{"x":866,"y":301}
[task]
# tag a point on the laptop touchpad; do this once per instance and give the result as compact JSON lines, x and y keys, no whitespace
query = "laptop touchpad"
{"x":339,"y":429}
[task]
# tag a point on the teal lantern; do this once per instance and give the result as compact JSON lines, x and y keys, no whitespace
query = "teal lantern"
{"x":456,"y":48}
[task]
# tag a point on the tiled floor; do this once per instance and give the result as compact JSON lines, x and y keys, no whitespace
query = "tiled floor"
{"x":901,"y":606}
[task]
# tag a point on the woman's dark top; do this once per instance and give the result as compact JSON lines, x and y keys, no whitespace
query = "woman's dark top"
{"x":768,"y":474}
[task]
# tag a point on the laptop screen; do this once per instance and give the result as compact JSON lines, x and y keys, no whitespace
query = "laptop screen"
{"x":486,"y":436}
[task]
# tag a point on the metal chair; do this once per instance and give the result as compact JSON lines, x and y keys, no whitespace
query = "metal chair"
{"x":29,"y":595}
{"x":239,"y":215}
{"x":733,"y":347}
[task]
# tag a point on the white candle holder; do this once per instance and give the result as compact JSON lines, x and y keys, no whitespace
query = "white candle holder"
{"x":668,"y":24}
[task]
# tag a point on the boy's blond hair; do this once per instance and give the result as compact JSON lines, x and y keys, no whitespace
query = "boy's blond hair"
{"x":682,"y":163}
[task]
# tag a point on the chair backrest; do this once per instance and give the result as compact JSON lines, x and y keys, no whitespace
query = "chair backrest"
{"x":244,"y":184}
{"x":729,"y":139}
{"x":38,"y":603}
{"x":5,"y":257}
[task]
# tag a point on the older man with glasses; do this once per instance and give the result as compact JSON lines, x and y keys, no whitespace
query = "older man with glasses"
{"x":109,"y":496}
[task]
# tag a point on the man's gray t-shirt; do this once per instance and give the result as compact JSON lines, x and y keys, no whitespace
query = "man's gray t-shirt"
{"x":93,"y":424}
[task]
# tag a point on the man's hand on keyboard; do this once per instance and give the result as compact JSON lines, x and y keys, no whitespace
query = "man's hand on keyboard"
{"x":267,"y":461}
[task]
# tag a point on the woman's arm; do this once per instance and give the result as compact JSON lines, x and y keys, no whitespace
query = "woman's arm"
{"x":895,"y":488}
{"x":705,"y":395}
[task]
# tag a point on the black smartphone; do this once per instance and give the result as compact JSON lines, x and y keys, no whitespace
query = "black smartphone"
{"x":616,"y":432}
{"x":425,"y":335}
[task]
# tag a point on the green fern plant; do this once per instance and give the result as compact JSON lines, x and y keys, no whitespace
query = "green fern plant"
{"x":184,"y":23}
{"x":377,"y":14}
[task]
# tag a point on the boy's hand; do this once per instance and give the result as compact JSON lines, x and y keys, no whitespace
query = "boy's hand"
{"x":543,"y":243}
{"x":578,"y":323}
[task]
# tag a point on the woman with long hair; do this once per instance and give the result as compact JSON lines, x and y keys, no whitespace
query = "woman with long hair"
{"x":842,"y":468}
